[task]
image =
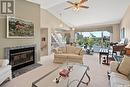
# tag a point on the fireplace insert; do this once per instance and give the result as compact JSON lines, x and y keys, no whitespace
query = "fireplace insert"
{"x":21,"y":56}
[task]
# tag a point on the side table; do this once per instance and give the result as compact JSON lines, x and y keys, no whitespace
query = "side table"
{"x":103,"y":52}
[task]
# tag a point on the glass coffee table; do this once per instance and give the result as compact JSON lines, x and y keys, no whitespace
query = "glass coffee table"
{"x":75,"y":78}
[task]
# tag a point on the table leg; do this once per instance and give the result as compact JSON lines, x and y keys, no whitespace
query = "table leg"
{"x":82,"y":79}
{"x":107,"y":59}
{"x":33,"y":85}
{"x":99,"y":58}
{"x":88,"y":78}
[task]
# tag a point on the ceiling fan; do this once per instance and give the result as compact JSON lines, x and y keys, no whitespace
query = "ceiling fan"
{"x":77,"y":5}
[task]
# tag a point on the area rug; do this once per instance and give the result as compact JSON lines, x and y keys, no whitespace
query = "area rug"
{"x":25,"y":69}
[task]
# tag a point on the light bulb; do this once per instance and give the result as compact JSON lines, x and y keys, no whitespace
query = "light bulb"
{"x":76,"y":9}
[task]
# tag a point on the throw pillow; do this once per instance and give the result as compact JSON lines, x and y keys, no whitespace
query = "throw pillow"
{"x":77,"y":50}
{"x":70,"y":49}
{"x":63,"y":49}
{"x":124,"y":67}
{"x":60,"y":52}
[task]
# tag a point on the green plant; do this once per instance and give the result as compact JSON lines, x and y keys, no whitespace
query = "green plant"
{"x":85,"y":41}
{"x":80,"y":39}
{"x":80,"y":42}
{"x":90,"y":41}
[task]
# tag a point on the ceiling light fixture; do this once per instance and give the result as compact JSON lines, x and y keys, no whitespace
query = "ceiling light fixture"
{"x":77,"y":5}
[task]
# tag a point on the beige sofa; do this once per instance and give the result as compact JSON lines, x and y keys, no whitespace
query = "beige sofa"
{"x":69,"y":54}
{"x":117,"y":79}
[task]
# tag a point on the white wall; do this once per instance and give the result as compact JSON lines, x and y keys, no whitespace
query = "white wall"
{"x":116,"y":33}
{"x":126,"y":23}
{"x":50,"y":22}
{"x":44,"y":44}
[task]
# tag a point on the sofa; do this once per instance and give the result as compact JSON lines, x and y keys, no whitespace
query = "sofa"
{"x":68,"y":54}
{"x":118,"y":79}
{"x":5,"y":70}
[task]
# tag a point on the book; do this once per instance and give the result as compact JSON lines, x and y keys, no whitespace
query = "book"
{"x":64,"y":73}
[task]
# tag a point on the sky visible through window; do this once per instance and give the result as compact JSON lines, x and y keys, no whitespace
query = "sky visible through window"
{"x":97,"y":33}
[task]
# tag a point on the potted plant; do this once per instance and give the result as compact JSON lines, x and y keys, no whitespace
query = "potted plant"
{"x":90,"y":43}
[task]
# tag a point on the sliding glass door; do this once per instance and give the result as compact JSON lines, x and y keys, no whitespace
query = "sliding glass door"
{"x":96,"y":39}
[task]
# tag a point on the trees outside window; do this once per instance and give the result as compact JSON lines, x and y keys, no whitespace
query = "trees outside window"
{"x":100,"y":38}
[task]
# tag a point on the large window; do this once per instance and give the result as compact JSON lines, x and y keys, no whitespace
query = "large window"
{"x":98,"y":38}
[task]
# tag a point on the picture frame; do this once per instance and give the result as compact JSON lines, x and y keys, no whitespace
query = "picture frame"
{"x":122,"y":32}
{"x":19,"y":28}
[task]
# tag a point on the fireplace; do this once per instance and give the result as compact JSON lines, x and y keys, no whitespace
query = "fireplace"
{"x":20,"y":56}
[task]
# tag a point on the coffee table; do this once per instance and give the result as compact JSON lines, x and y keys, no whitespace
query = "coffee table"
{"x":75,"y":78}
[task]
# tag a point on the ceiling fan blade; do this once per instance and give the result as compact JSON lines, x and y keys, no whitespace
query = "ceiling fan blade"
{"x":84,"y":6}
{"x":82,"y":1}
{"x":68,"y":8}
{"x":70,"y":2}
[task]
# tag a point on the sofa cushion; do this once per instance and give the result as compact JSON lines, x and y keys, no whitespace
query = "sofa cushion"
{"x":77,"y":50}
{"x":60,"y":55}
{"x":57,"y":51}
{"x":74,"y":56}
{"x":63,"y":49}
{"x":118,"y":75}
{"x":70,"y":49}
{"x":113,"y":66}
{"x":4,"y":62}
{"x":5,"y":69}
{"x":124,"y":67}
{"x":119,"y":80}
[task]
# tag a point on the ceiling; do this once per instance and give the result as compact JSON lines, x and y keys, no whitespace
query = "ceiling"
{"x":99,"y":12}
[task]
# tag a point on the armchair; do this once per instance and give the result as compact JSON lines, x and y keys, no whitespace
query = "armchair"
{"x":5,"y":70}
{"x":117,"y":79}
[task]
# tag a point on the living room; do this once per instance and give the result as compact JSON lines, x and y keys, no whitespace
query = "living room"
{"x":46,"y":22}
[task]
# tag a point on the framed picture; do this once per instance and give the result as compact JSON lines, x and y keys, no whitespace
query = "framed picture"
{"x":122,"y":33}
{"x":19,"y":28}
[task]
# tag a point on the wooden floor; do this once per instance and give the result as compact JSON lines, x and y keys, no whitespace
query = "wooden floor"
{"x":97,"y":73}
